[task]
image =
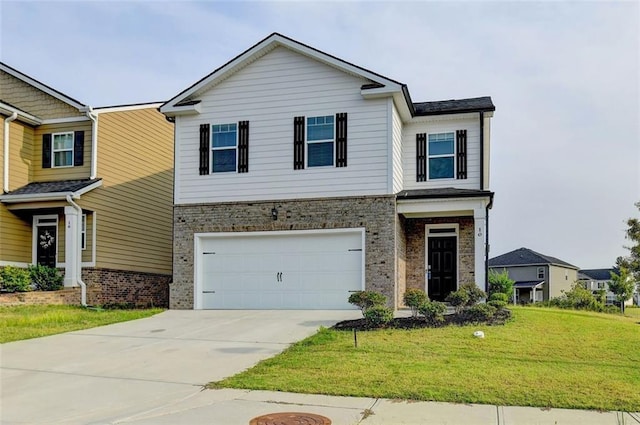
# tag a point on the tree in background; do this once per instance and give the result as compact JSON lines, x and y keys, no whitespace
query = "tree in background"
{"x":632,"y":262}
{"x":622,"y":285}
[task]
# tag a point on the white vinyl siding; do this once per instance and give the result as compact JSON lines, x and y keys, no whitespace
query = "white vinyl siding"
{"x":442,"y":124}
{"x":269,"y":93}
{"x":397,"y":149}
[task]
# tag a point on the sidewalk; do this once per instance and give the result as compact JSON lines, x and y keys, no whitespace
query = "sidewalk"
{"x":240,"y":406}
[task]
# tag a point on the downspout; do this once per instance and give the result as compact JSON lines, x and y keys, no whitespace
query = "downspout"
{"x":83,"y":286}
{"x":482,"y":150}
{"x":5,"y":181}
{"x":486,"y":247}
{"x":94,"y":141}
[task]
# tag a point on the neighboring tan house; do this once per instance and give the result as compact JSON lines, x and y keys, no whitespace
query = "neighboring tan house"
{"x":301,"y":178}
{"x":537,"y":277}
{"x":598,"y":279}
{"x":86,"y":190}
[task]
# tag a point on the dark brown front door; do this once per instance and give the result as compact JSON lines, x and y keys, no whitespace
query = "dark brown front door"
{"x":46,"y":244}
{"x":441,"y":267}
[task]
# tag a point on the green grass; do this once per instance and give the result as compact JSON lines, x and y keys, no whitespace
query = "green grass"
{"x":25,"y":322}
{"x":545,"y":357}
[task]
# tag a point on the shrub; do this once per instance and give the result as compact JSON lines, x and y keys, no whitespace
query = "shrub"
{"x":474,"y":293}
{"x":15,"y":279}
{"x":499,"y":282}
{"x":577,"y":298}
{"x":45,"y":278}
{"x":480,"y":313}
{"x":414,"y":298}
{"x":367,"y":299}
{"x":458,"y":299}
{"x":378,"y":315}
{"x":433,"y":311}
{"x":499,"y":296}
{"x":499,"y":305}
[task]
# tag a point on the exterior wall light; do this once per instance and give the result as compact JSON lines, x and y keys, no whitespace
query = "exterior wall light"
{"x":274,"y":213}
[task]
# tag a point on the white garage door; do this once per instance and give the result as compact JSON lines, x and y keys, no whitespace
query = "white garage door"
{"x":283,"y":270}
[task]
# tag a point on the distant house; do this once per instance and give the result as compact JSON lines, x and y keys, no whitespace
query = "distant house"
{"x":598,"y":279}
{"x":86,"y":190}
{"x":537,"y":277}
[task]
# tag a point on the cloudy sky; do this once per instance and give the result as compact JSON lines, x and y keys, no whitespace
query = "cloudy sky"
{"x":564,"y":77}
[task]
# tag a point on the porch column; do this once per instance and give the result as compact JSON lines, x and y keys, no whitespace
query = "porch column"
{"x":480,"y":227}
{"x":71,"y":247}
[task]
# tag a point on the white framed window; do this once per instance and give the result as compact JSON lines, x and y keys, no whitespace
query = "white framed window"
{"x":224,"y":148}
{"x":83,"y":233}
{"x":540,"y":272}
{"x":320,"y":141}
{"x":441,"y":151}
{"x":62,"y":149}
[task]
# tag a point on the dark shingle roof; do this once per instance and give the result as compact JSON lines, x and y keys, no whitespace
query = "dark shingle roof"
{"x":597,"y":274}
{"x":447,"y":192}
{"x":527,"y":283}
{"x":476,"y":104}
{"x":526,"y":257}
{"x":53,"y":187}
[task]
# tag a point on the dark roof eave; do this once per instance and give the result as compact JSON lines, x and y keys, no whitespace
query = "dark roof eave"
{"x":454,"y":111}
{"x":407,"y":194}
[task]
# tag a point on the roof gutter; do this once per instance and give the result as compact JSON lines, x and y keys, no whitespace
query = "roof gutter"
{"x":78,"y":260}
{"x":5,"y":180}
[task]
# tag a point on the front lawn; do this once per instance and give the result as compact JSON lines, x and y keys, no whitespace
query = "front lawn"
{"x":24,"y":322}
{"x":544,"y":357}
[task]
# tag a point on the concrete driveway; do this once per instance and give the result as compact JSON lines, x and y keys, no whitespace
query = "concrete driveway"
{"x":115,"y":373}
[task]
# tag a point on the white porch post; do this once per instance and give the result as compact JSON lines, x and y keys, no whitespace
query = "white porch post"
{"x":480,"y":227}
{"x":71,"y":248}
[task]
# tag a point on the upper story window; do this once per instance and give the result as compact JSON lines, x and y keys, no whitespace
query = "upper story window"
{"x":320,"y":140}
{"x":224,"y":144}
{"x":63,"y":149}
{"x":441,"y":156}
{"x":540,"y":272}
{"x":224,"y":148}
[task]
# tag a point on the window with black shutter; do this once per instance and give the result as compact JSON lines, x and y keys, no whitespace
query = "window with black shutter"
{"x":421,"y":157}
{"x":243,"y":147}
{"x":341,"y":139}
{"x":46,"y":150}
{"x":78,"y":148}
{"x":204,"y":149}
{"x":298,"y":143}
{"x":461,"y":154}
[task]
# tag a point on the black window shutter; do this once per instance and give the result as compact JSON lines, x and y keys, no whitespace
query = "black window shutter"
{"x":421,"y":157}
{"x":298,"y":143}
{"x":461,"y":156}
{"x":78,"y":148}
{"x":243,"y":147}
{"x":204,"y":149}
{"x":341,"y":139}
{"x":46,"y":150}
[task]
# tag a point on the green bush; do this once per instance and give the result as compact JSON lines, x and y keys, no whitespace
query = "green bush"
{"x":480,"y":313}
{"x":577,"y":298}
{"x":378,"y":315}
{"x":367,"y":299}
{"x":458,"y":299}
{"x":15,"y":279}
{"x":45,"y":278}
{"x":474,"y":293}
{"x":499,"y":296}
{"x":414,"y":298}
{"x":499,"y":305}
{"x":499,"y":282}
{"x":433,"y":311}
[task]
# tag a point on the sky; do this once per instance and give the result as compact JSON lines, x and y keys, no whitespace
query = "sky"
{"x":564,"y":76}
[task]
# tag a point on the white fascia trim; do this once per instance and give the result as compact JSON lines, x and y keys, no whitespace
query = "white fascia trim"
{"x":414,"y":208}
{"x":22,"y":116}
{"x":172,"y":111}
{"x":445,"y":117}
{"x":48,"y":90}
{"x":379,"y":92}
{"x":268,"y":44}
{"x":124,"y":108}
{"x":54,"y":196}
{"x":65,"y":120}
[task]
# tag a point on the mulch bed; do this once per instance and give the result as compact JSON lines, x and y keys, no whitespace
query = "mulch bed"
{"x":500,"y":318}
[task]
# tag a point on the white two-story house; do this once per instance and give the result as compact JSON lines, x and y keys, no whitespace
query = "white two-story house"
{"x":300,"y":178}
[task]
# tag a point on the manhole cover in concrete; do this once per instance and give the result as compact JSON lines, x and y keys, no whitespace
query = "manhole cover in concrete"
{"x":290,"y":418}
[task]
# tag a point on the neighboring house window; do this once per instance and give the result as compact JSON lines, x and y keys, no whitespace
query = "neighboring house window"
{"x":224,"y":148}
{"x":600,"y":285}
{"x":84,"y":231}
{"x":321,"y":140}
{"x":441,"y":156}
{"x":63,"y":149}
{"x":540,"y":272}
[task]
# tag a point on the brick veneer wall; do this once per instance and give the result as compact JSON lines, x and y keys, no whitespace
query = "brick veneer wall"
{"x":377,"y":214}
{"x":415,"y":231}
{"x":104,"y":287}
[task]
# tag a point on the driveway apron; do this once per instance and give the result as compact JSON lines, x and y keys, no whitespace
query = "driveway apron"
{"x":108,"y":374}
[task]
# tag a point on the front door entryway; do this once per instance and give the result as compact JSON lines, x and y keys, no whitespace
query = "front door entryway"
{"x":441,"y":267}
{"x":46,"y":240}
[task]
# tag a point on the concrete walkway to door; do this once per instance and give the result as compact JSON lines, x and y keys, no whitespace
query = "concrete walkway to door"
{"x":114,"y":373}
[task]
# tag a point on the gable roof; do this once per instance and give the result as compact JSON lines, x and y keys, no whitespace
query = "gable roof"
{"x":41,"y":86}
{"x":527,"y":257}
{"x":596,"y":274}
